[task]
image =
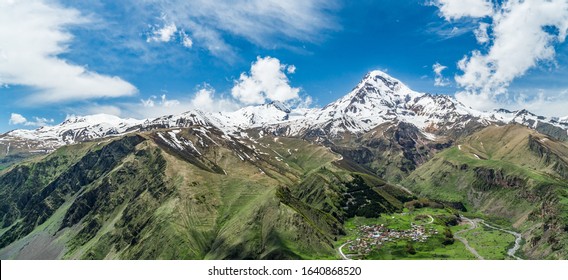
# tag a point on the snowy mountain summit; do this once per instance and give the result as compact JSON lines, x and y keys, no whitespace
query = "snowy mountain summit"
{"x":378,"y":99}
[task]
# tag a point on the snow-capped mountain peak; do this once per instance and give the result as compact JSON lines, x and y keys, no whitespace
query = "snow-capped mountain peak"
{"x":280,"y":106}
{"x":384,"y":83}
{"x":380,"y":98}
{"x":376,"y":89}
{"x":377,"y":99}
{"x":96,"y":119}
{"x":254,"y":116}
{"x":77,"y":128}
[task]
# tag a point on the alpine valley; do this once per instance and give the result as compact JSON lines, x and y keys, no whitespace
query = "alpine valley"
{"x":384,"y":172}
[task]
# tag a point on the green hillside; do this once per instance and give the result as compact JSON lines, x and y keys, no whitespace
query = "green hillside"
{"x":140,"y":197}
{"x":511,"y":173}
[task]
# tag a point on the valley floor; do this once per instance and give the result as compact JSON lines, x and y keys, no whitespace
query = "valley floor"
{"x":426,"y":233}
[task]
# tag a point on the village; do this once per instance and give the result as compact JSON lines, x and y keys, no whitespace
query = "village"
{"x":374,"y":236}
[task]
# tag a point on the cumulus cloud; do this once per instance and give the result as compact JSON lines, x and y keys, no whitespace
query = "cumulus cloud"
{"x":439,"y":79}
{"x":164,"y":34}
{"x":456,"y":9}
{"x":168,"y":33}
{"x":520,"y":42}
{"x":163,"y":101}
{"x":186,"y":40}
{"x":204,"y":99}
{"x":154,"y":106}
{"x":481,"y":33}
{"x":544,"y":102}
{"x":524,"y":34}
{"x":291,"y":69}
{"x":32,"y":36}
{"x":18,"y":119}
{"x":266,"y":23}
{"x":266,"y":81}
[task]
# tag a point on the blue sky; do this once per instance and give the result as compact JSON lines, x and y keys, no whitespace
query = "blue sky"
{"x":147,"y":58}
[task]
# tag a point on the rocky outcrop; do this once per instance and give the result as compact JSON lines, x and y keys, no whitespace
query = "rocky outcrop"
{"x":489,"y":179}
{"x":559,"y":164}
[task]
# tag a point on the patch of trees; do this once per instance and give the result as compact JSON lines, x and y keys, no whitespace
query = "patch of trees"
{"x":448,"y":237}
{"x":361,"y":200}
{"x":422,"y":203}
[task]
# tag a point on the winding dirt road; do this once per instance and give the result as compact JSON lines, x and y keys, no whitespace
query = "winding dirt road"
{"x":431,"y":220}
{"x":464,"y":241}
{"x":340,"y":249}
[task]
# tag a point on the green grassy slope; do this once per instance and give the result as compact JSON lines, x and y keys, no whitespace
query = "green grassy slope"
{"x":509,"y":172}
{"x":141,"y":197}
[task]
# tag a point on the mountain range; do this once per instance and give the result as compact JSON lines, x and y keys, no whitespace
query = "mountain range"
{"x":376,"y":100}
{"x":273,"y":182}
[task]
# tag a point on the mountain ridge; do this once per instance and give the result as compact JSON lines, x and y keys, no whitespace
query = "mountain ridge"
{"x":377,"y":99}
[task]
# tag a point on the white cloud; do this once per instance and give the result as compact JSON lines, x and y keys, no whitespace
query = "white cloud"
{"x":32,"y":35}
{"x":456,"y":9}
{"x":162,"y":102}
{"x":18,"y":119}
{"x":524,"y":34}
{"x":481,"y":33}
{"x":169,"y":33}
{"x":154,"y":106}
{"x":203,"y":99}
{"x":267,"y":80}
{"x":448,"y":30}
{"x":164,"y":34}
{"x":439,"y":79}
{"x":186,"y":40}
{"x":519,"y":43}
{"x":266,"y":23}
{"x":291,"y":69}
{"x":545,"y":102}
{"x":39,"y":122}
